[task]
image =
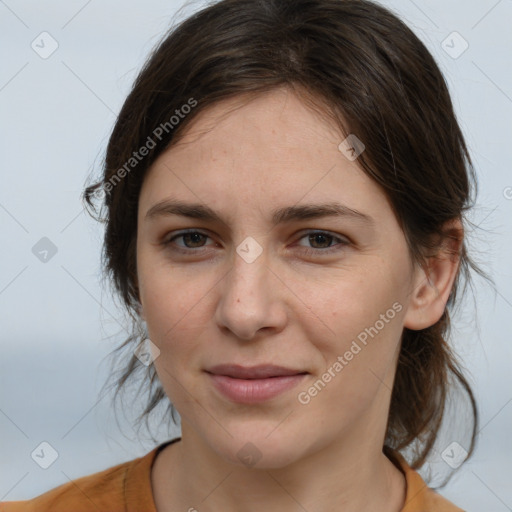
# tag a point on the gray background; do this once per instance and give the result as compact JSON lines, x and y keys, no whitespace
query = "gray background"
{"x":58,"y":322}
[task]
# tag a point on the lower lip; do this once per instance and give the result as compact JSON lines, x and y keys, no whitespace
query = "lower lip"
{"x":251,"y":391}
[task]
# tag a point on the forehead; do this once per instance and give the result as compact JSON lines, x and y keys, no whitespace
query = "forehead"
{"x":259,"y":153}
{"x":280,"y":114}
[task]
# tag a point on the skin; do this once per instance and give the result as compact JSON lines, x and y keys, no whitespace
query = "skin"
{"x":287,"y":307}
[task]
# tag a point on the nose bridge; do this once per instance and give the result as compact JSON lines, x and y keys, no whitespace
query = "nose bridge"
{"x":248,"y":301}
{"x":244,"y":283}
{"x":249,"y":268}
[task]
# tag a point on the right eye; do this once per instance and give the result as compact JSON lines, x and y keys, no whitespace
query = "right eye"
{"x":192,"y":237}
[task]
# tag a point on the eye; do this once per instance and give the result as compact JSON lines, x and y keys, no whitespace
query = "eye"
{"x":192,"y":240}
{"x":324,"y":240}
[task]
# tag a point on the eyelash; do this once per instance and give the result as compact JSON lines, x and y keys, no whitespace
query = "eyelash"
{"x":342,"y":242}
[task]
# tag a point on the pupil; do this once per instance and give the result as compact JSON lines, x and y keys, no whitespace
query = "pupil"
{"x":318,"y":235}
{"x":195,"y":236}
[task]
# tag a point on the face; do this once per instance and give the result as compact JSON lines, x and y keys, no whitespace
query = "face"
{"x":315,"y":292}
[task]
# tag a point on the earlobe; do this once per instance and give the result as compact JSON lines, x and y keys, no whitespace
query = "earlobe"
{"x":425,"y":305}
{"x":433,"y":282}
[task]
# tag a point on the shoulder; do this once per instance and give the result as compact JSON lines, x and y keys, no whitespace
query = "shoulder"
{"x":436,"y":502}
{"x":432,"y":501}
{"x":420,"y":497}
{"x":110,"y":489}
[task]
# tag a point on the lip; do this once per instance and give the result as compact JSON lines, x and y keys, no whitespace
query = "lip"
{"x":260,"y":371}
{"x":250,"y":385}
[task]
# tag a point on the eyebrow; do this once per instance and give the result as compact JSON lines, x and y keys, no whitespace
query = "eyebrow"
{"x":170,"y":207}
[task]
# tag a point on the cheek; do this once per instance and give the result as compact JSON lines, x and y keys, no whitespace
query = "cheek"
{"x":365,"y":317}
{"x":352,"y":304}
{"x":175,"y":308}
{"x":357,"y":362}
{"x":174,"y":303}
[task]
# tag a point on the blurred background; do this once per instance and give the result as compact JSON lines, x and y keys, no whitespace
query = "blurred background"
{"x":66,"y":70}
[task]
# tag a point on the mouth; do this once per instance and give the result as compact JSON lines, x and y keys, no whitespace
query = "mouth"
{"x":254,"y":384}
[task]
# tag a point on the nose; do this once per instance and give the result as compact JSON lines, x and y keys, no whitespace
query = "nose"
{"x":251,"y":299}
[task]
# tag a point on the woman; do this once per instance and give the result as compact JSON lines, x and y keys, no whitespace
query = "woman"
{"x":285,"y":190}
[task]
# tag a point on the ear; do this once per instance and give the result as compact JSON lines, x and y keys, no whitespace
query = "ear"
{"x":433,"y":282}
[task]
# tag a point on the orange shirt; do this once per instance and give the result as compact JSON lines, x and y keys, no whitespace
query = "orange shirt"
{"x":127,"y":488}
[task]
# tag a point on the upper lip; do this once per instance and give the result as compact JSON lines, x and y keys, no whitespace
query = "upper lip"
{"x":252,"y":372}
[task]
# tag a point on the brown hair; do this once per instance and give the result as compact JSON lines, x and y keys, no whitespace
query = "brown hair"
{"x":364,"y":68}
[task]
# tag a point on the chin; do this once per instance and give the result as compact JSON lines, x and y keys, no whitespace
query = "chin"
{"x":258,"y":450}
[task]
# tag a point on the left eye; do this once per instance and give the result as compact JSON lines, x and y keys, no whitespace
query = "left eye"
{"x":323,"y":238}
{"x":193,"y":236}
{"x":193,"y":242}
{"x":196,"y":240}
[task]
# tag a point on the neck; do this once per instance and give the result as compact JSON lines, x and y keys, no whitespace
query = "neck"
{"x":350,"y":475}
